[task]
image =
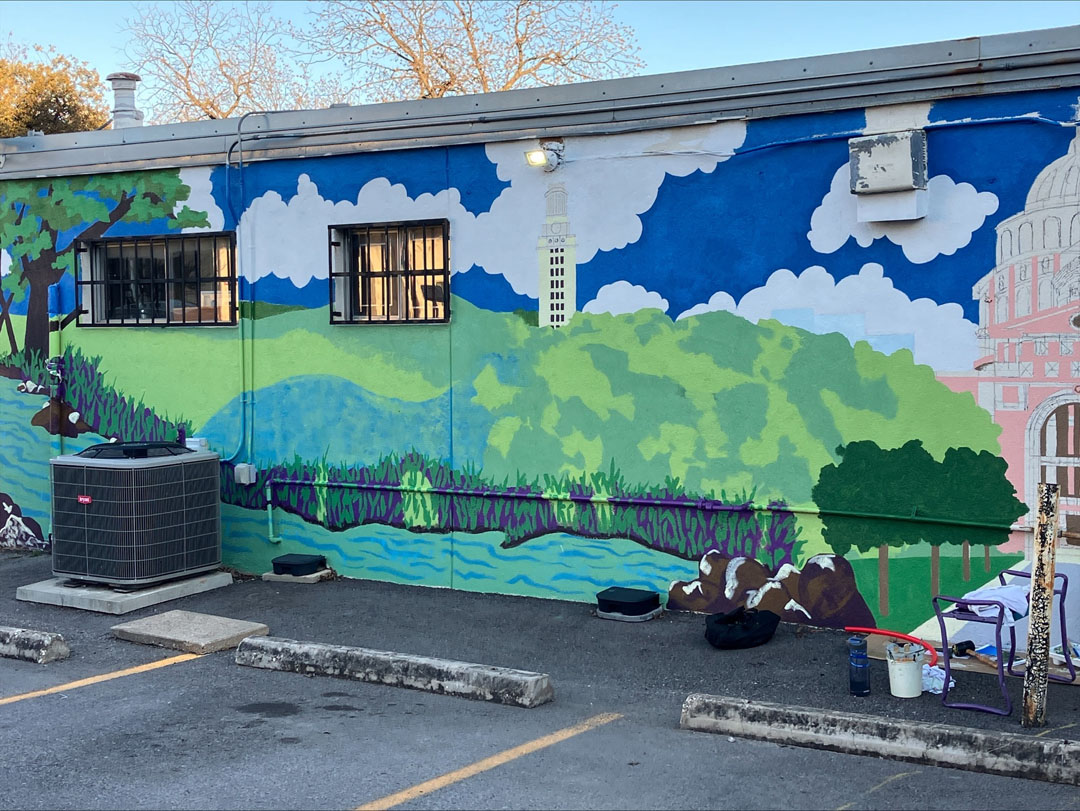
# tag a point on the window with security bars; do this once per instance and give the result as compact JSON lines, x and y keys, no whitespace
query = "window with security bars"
{"x":390,"y":273}
{"x":182,"y":280}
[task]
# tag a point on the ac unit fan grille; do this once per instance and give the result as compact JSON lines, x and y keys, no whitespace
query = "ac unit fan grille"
{"x":136,"y":525}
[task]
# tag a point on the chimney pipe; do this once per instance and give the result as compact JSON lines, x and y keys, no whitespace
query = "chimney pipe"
{"x":124,"y":112}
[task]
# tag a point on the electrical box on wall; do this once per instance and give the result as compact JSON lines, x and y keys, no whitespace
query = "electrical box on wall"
{"x":243,"y":473}
{"x":888,"y":175}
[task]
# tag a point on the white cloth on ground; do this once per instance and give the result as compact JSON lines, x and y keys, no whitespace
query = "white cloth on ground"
{"x":1014,"y":598}
{"x":933,"y":680}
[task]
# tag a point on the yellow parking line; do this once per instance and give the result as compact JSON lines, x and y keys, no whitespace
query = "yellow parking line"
{"x":1055,"y":729}
{"x":116,"y":674}
{"x":487,"y":763}
{"x":880,"y":785}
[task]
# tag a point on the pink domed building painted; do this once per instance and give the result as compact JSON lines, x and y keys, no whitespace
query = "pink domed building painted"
{"x":1028,"y":372}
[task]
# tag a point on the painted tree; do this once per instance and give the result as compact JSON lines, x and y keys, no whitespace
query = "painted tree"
{"x":7,"y":298}
{"x":41,"y":222}
{"x":974,"y":488}
{"x":908,"y":482}
{"x":872,"y":482}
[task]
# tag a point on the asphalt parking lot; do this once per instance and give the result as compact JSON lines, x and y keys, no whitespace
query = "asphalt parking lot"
{"x":202,"y":732}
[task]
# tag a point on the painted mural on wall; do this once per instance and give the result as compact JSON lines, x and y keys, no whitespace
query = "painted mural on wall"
{"x":634,"y":388}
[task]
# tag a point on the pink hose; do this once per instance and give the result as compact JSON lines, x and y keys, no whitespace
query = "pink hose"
{"x":851,"y":629}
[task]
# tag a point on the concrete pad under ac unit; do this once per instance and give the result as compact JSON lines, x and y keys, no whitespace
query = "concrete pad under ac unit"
{"x":189,"y":631}
{"x":60,"y":591}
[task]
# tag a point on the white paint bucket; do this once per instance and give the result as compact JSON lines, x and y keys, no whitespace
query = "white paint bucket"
{"x":905,"y":669}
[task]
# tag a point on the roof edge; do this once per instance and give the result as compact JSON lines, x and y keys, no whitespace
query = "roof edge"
{"x":1002,"y":63}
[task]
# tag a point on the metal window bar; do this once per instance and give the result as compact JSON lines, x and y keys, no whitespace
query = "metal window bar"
{"x":158,"y":281}
{"x":389,"y":273}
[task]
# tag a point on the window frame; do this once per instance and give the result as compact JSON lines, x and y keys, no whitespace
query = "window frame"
{"x":90,"y":279}
{"x":352,"y":280}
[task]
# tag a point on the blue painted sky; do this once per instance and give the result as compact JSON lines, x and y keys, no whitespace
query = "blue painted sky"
{"x":730,"y":229}
{"x":736,"y":225}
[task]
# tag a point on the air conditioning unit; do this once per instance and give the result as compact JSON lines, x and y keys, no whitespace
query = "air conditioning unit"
{"x":135,"y":513}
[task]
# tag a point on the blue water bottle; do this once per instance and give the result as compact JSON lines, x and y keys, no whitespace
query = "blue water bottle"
{"x":858,"y":666}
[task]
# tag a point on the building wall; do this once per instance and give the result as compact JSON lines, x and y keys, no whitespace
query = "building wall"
{"x":751,"y":395}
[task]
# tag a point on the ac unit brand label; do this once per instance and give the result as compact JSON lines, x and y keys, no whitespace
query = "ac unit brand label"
{"x":85,"y":500}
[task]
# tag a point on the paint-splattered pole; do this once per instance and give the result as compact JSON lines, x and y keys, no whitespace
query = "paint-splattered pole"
{"x":1042,"y":604}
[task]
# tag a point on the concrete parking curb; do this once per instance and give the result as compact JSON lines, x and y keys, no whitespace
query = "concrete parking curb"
{"x":32,"y":646}
{"x":1004,"y":753}
{"x":502,"y":685}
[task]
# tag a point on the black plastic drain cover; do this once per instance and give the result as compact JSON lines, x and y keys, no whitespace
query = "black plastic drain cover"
{"x":298,"y":565}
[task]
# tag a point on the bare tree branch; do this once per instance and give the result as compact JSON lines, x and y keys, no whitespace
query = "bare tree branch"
{"x":200,"y":59}
{"x":399,"y":49}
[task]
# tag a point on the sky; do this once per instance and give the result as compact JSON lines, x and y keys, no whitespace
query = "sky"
{"x":673,"y":35}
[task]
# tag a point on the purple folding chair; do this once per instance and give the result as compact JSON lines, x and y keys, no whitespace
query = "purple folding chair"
{"x":962,"y":610}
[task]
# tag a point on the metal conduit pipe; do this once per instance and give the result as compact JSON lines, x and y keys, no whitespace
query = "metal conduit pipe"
{"x":337,"y":129}
{"x":245,"y":437}
{"x":706,"y":505}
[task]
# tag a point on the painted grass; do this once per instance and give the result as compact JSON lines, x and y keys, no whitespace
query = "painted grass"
{"x":265,"y":309}
{"x":107,"y":411}
{"x":909,"y":584}
{"x":197,"y":370}
{"x":419,"y":494}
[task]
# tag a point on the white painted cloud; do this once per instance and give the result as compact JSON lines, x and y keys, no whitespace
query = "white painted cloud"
{"x":5,"y":263}
{"x":621,"y":297}
{"x":610,"y":181}
{"x":717,"y":301}
{"x":864,"y":307}
{"x":605,"y":201}
{"x":289,"y":239}
{"x":201,"y":198}
{"x":954,"y":212}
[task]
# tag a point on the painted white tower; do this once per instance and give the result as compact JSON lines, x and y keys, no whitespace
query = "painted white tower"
{"x":557,"y":252}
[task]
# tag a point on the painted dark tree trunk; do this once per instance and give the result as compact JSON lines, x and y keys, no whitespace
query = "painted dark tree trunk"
{"x":5,"y":316}
{"x":37,"y":310}
{"x":966,"y":554}
{"x":986,"y":558}
{"x":883,"y":580}
{"x":935,"y":569}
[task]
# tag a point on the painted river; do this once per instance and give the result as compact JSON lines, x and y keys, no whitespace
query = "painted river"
{"x":555,"y":566}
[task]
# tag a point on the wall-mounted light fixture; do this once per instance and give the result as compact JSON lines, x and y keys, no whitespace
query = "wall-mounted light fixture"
{"x":547,"y":157}
{"x":536,"y":157}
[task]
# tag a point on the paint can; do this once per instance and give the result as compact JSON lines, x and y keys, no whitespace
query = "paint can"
{"x":905,"y":669}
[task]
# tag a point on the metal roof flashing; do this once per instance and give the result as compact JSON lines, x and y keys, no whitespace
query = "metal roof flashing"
{"x":1005,"y":63}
